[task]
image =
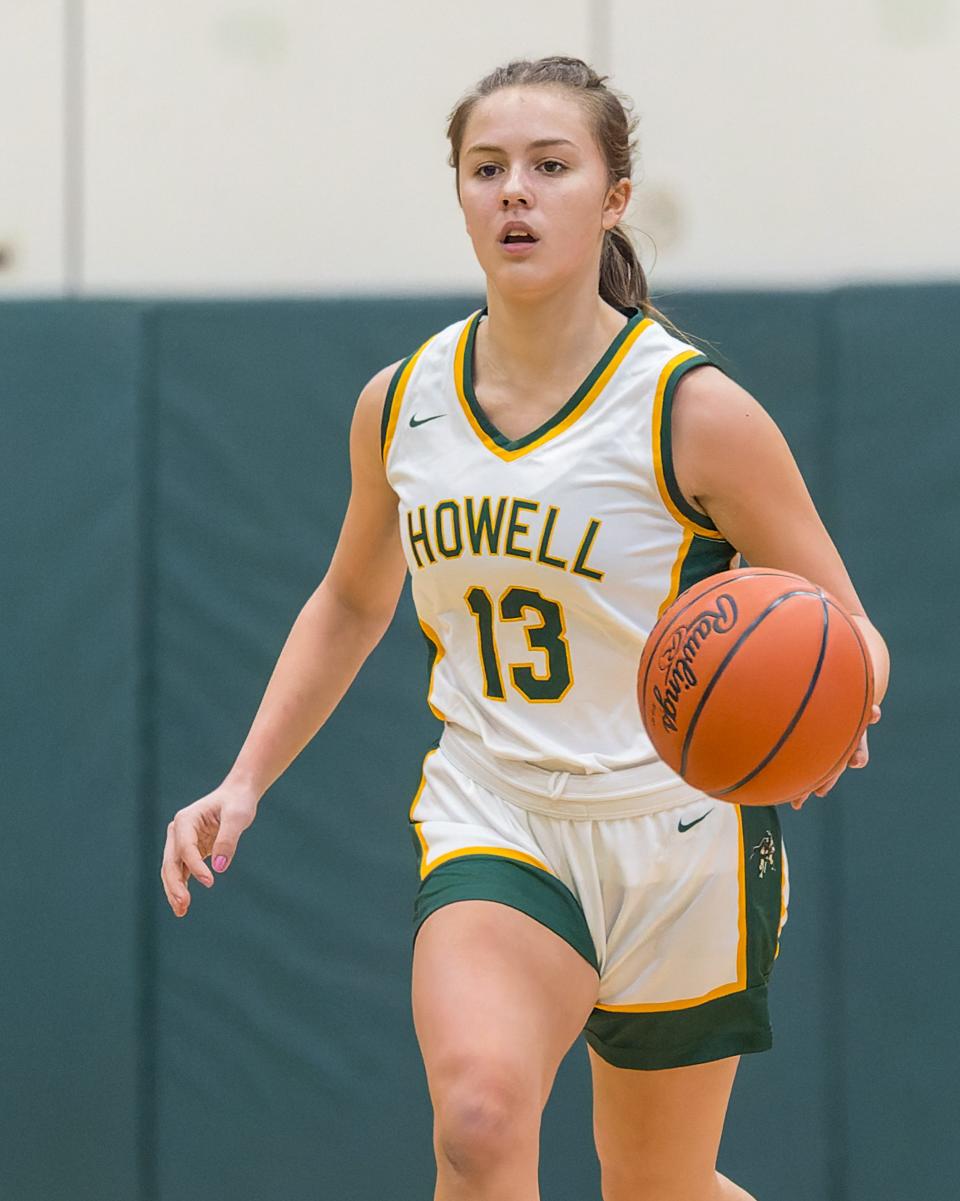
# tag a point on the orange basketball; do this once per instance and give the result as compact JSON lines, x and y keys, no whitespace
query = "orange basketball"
{"x":755,"y":685}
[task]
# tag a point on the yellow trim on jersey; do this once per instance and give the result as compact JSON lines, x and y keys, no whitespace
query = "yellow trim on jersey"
{"x":723,"y":990}
{"x":441,"y":651}
{"x":397,"y":398}
{"x":665,"y":496}
{"x":600,"y":383}
{"x":685,"y":543}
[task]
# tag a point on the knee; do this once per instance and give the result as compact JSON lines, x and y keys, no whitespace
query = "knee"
{"x":483,"y":1118}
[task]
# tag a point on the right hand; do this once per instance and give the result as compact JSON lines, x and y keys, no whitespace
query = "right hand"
{"x":210,"y":826}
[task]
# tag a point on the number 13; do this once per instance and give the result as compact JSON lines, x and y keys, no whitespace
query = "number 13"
{"x":548,"y":637}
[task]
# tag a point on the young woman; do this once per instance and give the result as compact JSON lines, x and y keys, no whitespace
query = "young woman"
{"x":552,"y":471}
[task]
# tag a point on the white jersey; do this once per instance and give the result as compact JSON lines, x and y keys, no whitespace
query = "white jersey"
{"x":540,"y":564}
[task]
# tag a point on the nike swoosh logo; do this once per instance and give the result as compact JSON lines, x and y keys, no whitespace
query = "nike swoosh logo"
{"x":423,"y":420}
{"x":684,"y":828}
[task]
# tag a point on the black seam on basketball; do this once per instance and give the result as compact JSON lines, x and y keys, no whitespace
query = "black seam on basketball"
{"x":785,"y":575}
{"x":791,"y":725}
{"x":724,"y":664}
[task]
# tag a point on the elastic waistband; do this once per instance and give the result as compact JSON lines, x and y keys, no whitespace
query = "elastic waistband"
{"x":628,"y":792}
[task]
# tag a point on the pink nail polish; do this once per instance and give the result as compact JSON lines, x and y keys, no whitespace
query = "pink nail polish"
{"x":220,"y":863}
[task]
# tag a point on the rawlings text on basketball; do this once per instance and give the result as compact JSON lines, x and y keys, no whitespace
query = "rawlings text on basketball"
{"x":677,"y":658}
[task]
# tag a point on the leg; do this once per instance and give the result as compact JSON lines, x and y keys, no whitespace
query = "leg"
{"x":498,"y":999}
{"x":658,"y":1133}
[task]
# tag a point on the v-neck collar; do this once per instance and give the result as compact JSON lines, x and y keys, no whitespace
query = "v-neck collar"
{"x":567,"y":414}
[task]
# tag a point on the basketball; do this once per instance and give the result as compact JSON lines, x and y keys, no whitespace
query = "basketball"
{"x":755,"y":686}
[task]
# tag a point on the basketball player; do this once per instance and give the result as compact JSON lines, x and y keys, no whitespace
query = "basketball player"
{"x":552,"y":471}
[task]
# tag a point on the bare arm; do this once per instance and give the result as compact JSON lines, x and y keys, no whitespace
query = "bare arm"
{"x":333,"y":634}
{"x":733,"y":463}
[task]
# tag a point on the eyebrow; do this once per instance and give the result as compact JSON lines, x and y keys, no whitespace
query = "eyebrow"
{"x":537,"y":145}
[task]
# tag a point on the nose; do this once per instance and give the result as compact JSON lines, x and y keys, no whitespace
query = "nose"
{"x":514,"y":190}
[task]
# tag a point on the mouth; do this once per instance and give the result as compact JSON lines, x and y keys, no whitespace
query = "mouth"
{"x":517,"y":233}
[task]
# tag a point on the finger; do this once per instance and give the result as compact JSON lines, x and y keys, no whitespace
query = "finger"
{"x":875,"y":715}
{"x":797,"y":802}
{"x":861,"y":755}
{"x":825,"y":788}
{"x":187,"y":851}
{"x":193,"y":865}
{"x":177,"y":894}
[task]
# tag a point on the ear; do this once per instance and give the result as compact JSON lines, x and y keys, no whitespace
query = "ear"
{"x":616,"y":203}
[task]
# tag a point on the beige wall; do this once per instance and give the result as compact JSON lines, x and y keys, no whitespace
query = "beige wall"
{"x":31,"y":146}
{"x":298,"y":145}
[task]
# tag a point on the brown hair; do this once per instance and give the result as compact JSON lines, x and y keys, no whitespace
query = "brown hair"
{"x":622,"y":278}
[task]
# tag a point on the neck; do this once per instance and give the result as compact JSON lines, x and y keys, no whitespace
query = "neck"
{"x":533,"y":340}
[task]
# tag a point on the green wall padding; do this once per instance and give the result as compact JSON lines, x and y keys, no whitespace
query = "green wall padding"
{"x":73,"y":843}
{"x":896,"y":451}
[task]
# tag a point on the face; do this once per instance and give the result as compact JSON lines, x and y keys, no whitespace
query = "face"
{"x":529,"y":155}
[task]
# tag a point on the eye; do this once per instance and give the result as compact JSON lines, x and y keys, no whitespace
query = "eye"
{"x":552,"y":162}
{"x":482,"y":169}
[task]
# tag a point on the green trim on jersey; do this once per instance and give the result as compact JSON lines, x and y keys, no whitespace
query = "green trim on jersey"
{"x":388,"y":402}
{"x":634,"y":317}
{"x":666,"y":441}
{"x":704,"y":557}
{"x":522,"y":886}
{"x":432,"y":652}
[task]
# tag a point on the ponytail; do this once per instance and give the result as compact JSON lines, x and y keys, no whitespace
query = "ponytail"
{"x":622,"y":279}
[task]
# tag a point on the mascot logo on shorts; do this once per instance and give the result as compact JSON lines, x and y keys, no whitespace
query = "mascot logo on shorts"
{"x":767,"y":850}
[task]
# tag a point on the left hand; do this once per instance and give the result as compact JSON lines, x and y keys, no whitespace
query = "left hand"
{"x":859,"y":758}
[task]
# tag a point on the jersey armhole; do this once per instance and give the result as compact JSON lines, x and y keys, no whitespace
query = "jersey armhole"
{"x":672,"y":496}
{"x":391,"y":410}
{"x":393,"y":400}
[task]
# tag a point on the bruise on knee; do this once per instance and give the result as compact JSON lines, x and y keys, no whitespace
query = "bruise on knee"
{"x":483,"y":1120}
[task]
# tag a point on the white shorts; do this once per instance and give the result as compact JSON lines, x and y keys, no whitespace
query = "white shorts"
{"x":677,"y":907}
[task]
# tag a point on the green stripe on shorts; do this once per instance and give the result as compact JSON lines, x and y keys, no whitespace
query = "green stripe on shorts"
{"x":736,"y":1024}
{"x":520,"y":885}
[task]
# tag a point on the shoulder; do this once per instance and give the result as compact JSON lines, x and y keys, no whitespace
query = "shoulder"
{"x":720,"y":431}
{"x":711,"y":408}
{"x":366,"y":432}
{"x":373,"y":394}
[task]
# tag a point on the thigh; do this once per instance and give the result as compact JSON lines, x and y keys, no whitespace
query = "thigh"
{"x":496,"y":995}
{"x":658,"y":1132}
